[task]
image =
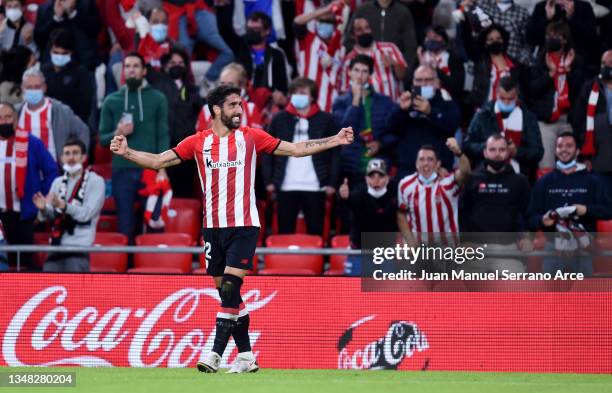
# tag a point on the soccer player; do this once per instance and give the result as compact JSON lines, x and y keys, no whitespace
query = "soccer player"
{"x":225,"y":156}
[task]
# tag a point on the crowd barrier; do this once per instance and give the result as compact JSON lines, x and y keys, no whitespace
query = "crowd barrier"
{"x":298,"y":322}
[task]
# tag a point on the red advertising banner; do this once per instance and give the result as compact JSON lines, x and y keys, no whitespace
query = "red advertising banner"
{"x":299,"y":322}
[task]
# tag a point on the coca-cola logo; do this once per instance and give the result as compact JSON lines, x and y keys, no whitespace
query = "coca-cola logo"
{"x":401,"y":340}
{"x":166,"y":335}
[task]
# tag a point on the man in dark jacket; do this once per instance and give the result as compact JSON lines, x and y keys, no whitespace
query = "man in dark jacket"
{"x":518,"y":125}
{"x":67,"y":80}
{"x":80,"y":18}
{"x":302,"y":183}
{"x":424,"y":117}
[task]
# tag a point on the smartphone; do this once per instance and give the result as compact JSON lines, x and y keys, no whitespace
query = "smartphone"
{"x":126,"y":118}
{"x":416,"y":91}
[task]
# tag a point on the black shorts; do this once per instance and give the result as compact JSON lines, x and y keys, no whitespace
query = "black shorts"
{"x":233,"y":247}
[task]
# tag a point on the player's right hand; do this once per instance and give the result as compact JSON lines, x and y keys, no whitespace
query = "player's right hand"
{"x":119,"y":145}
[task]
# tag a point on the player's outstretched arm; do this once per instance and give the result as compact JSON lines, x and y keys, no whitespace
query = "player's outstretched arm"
{"x":314,"y":146}
{"x":120,"y":147}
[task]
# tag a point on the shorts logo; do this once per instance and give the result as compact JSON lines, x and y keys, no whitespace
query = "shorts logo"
{"x":244,"y":261}
{"x":210,"y":164}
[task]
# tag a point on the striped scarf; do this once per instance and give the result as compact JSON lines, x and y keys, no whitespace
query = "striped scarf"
{"x":561,"y":99}
{"x":512,"y":126}
{"x":588,"y":146}
{"x":496,"y":75}
{"x":21,"y":159}
{"x":159,"y":195}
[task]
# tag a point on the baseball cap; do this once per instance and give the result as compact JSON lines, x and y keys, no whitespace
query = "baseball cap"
{"x":376,"y":165}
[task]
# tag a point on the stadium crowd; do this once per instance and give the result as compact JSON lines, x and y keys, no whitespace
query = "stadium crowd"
{"x":474,"y":116}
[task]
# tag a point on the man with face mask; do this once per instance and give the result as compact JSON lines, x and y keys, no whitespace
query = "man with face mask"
{"x":425,"y":116}
{"x":373,"y":206}
{"x":316,"y":53}
{"x":570,"y":197}
{"x":26,"y":168}
{"x":73,"y":207}
{"x":593,"y":122}
{"x":517,"y":124}
{"x":140,"y":113}
{"x":302,"y":183}
{"x":67,"y":81}
{"x":152,"y":37}
{"x":14,"y":29}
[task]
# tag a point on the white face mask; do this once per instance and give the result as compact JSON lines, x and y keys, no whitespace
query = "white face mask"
{"x":14,"y":14}
{"x":72,"y":169}
{"x":377,"y":193}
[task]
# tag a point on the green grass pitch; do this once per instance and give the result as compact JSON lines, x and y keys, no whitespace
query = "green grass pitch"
{"x":118,"y":380}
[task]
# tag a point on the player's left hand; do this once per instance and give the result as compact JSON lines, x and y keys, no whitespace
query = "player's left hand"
{"x":345,"y":136}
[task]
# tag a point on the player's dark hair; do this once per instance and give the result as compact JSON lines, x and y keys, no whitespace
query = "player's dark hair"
{"x":430,"y":148}
{"x":218,"y":95}
{"x":568,"y":134}
{"x":62,"y":39}
{"x":362,"y":59}
{"x":135,"y":54}
{"x":301,"y":82}
{"x":74,"y":141}
{"x":508,"y":83}
{"x":258,"y":16}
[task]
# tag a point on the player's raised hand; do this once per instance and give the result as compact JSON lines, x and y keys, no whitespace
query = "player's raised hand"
{"x":345,"y":136}
{"x":119,"y":145}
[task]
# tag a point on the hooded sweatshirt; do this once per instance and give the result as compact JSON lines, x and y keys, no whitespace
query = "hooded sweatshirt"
{"x":149,"y":109}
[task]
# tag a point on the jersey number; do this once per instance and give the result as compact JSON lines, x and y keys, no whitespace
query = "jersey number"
{"x":207,"y":247}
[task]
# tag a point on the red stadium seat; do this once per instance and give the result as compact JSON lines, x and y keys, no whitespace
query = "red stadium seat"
{"x":104,"y":170}
{"x":108,"y":223}
{"x":102,"y":154}
{"x":293,"y":264}
{"x":336,"y":262}
{"x":185,"y":216}
{"x":604,"y":225}
{"x":114,"y":262}
{"x":162,"y":262}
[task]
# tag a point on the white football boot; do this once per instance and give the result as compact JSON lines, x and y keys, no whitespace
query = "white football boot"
{"x":244,"y":363}
{"x":211,"y":364}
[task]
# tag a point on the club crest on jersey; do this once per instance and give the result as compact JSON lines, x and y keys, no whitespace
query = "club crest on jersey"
{"x":210,"y":164}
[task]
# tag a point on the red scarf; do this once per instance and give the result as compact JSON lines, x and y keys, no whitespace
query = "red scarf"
{"x":588,"y":147}
{"x":175,"y":12}
{"x":21,"y":159}
{"x":155,"y":189}
{"x":561,"y":100}
{"x":512,"y":126}
{"x":314,"y":109}
{"x":497,"y":74}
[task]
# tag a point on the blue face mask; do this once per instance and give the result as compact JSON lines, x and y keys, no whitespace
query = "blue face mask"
{"x":565,"y":166}
{"x":506,"y":108}
{"x":299,"y":101}
{"x":60,"y":60}
{"x":428,"y":181}
{"x":159,"y":32}
{"x":428,"y":92}
{"x":325,"y":30}
{"x":33,"y":96}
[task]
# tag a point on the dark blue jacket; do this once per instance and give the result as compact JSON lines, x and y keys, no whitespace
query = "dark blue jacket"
{"x":347,"y":115}
{"x":557,"y":189}
{"x":40,"y":173}
{"x":414,"y":129}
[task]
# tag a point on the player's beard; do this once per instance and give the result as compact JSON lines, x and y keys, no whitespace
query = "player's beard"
{"x":231,"y":122}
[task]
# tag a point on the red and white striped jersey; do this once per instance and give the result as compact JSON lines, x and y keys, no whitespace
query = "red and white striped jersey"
{"x":251,"y":117}
{"x":383,"y":78}
{"x":8,"y":184}
{"x":226,"y":167}
{"x":310,"y":51}
{"x":38,"y":123}
{"x":430,"y":208}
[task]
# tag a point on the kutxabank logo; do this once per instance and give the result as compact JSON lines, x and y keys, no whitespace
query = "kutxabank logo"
{"x":210,"y":164}
{"x":356,"y":350}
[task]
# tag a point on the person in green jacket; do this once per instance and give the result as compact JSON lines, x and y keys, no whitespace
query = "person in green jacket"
{"x":140,"y":113}
{"x":515,"y":122}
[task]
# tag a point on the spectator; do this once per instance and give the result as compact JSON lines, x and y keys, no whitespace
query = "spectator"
{"x":495,"y":199}
{"x":553,"y":85}
{"x":234,"y":75}
{"x":47,"y":118}
{"x":577,"y":14}
{"x":507,"y":15}
{"x":493,"y":66}
{"x":425,"y":116}
{"x":567,"y":200}
{"x":320,"y":49}
{"x":517,"y":124}
{"x":373,"y":208}
{"x":68,"y":81}
{"x":266,"y":65}
{"x":184,"y":104}
{"x":14,"y":63}
{"x":366,"y":111}
{"x":390,"y":21}
{"x":153,"y":39}
{"x":140,"y":113}
{"x":437,"y":52}
{"x":80,"y":18}
{"x":24,"y":155}
{"x":196,"y":22}
{"x":428,"y":189}
{"x":593,"y":122}
{"x":14,"y":29}
{"x":389,"y":64}
{"x":73,"y":207}
{"x":302,"y":183}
